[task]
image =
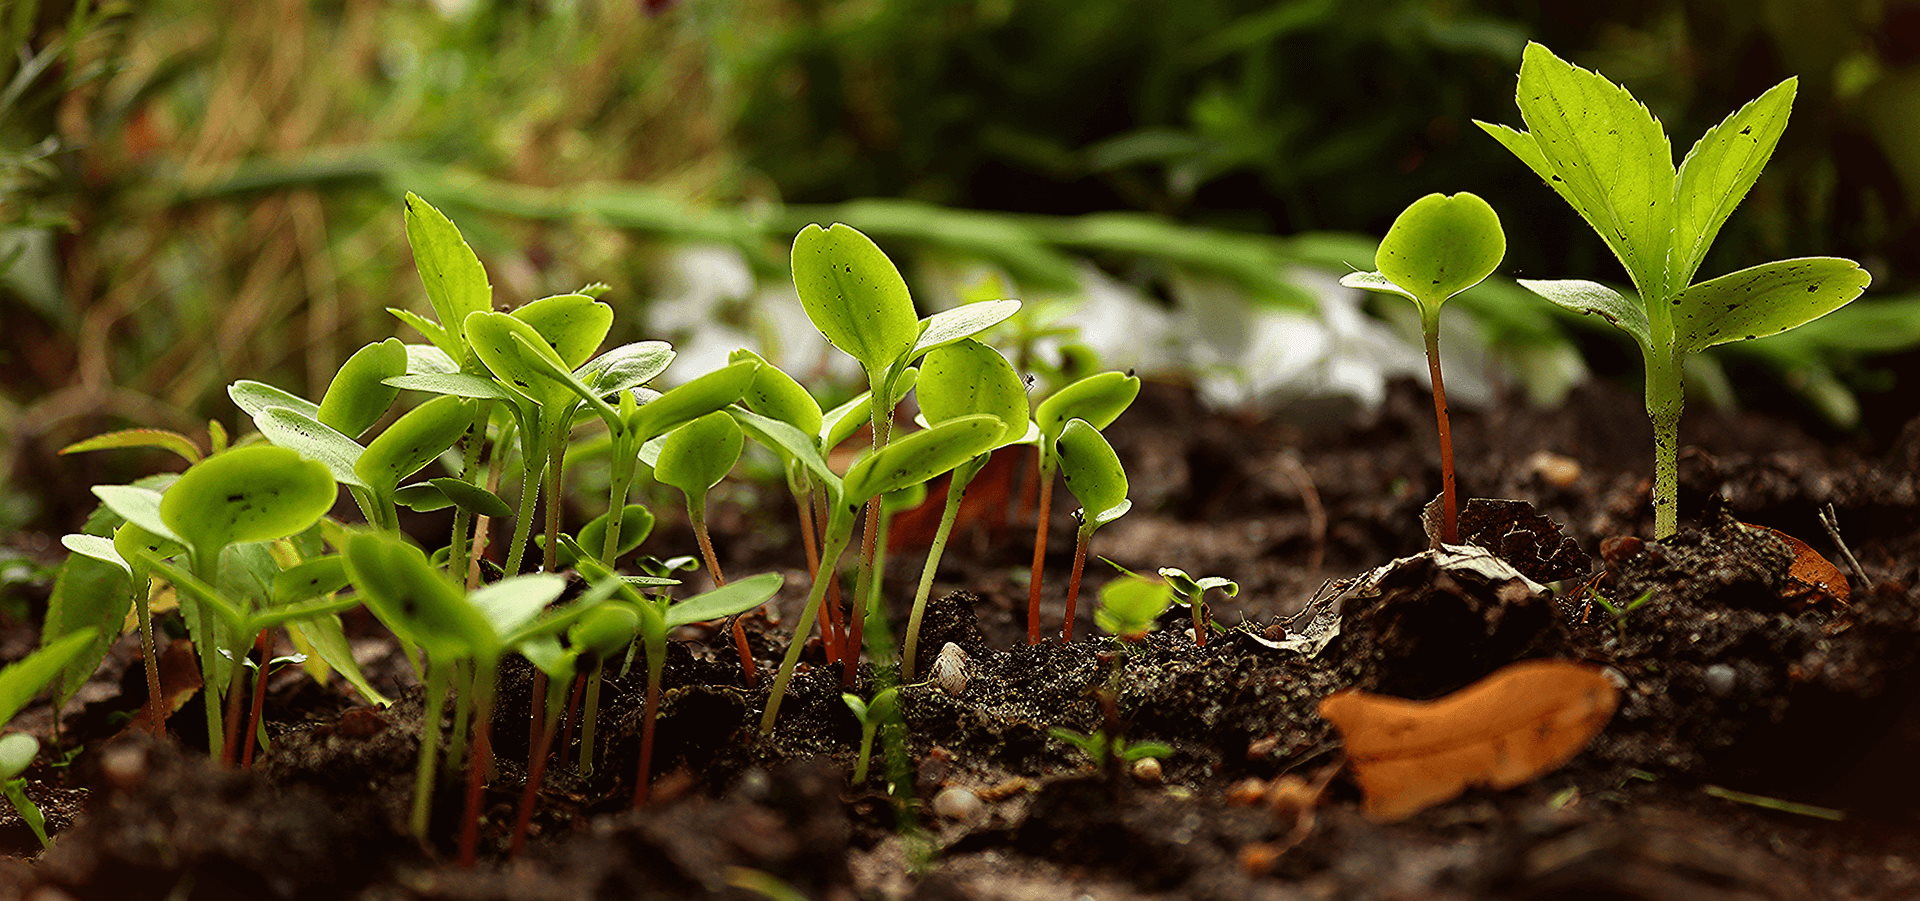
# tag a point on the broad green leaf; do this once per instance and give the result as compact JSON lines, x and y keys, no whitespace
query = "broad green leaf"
{"x":551,"y":658}
{"x":636,"y":523}
{"x":131,"y":537}
{"x":17,"y":751}
{"x":774,"y":393}
{"x":164,"y":439}
{"x":258,"y":397}
{"x":627,"y":366}
{"x":492,"y":337}
{"x":1718,"y":172}
{"x":359,"y":395}
{"x":789,"y":442}
{"x":854,"y":295}
{"x":1129,"y":605}
{"x":135,"y":505}
{"x":1610,"y":157}
{"x":904,"y":499}
{"x":313,"y":439}
{"x":329,"y":642}
{"x":512,"y":603}
{"x":967,"y":378}
{"x":426,"y":359}
{"x":605,"y":630}
{"x":247,"y":494}
{"x":839,"y":423}
{"x":472,"y":498}
{"x":572,"y":324}
{"x":91,"y":592}
{"x":727,"y":600}
{"x":413,"y":441}
{"x":1440,"y":246}
{"x":919,"y":457}
{"x":562,"y":618}
{"x":310,"y":579}
{"x":696,"y":456}
{"x":1092,"y":472}
{"x":1374,"y":281}
{"x":415,"y":600}
{"x":688,"y":402}
{"x":1099,"y":399}
{"x":856,"y":705}
{"x":1764,"y":300}
{"x":551,"y":369}
{"x":454,"y":384}
{"x":96,"y":547}
{"x":20,"y":682}
{"x":456,"y":283}
{"x":422,"y":497}
{"x":1593,"y":298}
{"x":964,"y":321}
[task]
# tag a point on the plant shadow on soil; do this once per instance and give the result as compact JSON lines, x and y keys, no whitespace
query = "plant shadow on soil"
{"x":1729,"y":677}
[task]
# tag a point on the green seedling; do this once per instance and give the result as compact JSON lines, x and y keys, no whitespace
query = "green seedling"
{"x":1191,"y":593}
{"x":856,"y":298}
{"x":19,"y":683}
{"x":69,"y":612}
{"x":694,"y":458}
{"x":603,"y":632}
{"x":965,"y":378}
{"x":1131,"y":605}
{"x":359,"y":395}
{"x":885,"y":705}
{"x":1094,"y":475}
{"x":1618,"y":613}
{"x":1610,"y":159}
{"x":911,"y":460}
{"x":1438,"y":247}
{"x":1104,"y":750}
{"x":1098,"y":400}
{"x":458,"y":631}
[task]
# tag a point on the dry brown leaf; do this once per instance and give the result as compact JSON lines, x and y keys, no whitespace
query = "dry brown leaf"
{"x":1813,"y":575}
{"x":1509,"y":728}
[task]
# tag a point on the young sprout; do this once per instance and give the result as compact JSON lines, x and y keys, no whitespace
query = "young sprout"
{"x":885,"y":705}
{"x":1131,"y":605}
{"x":119,"y":552}
{"x":858,"y":301}
{"x":1098,"y":400}
{"x":1604,"y":154}
{"x":602,"y":633}
{"x":1094,"y":475}
{"x":17,"y":751}
{"x":965,"y":378}
{"x":1438,"y":247}
{"x":19,"y":683}
{"x":1105,"y":750}
{"x":694,"y":458}
{"x":1191,"y":593}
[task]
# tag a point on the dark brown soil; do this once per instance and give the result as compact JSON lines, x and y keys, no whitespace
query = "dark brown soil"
{"x":1732,"y":677}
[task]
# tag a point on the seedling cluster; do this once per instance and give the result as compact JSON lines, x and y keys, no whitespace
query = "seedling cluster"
{"x":500,"y":407}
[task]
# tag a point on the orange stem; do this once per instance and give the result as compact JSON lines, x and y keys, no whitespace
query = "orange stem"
{"x":259,"y":701}
{"x":1039,"y":557}
{"x":1449,"y":498}
{"x":1073,"y":582}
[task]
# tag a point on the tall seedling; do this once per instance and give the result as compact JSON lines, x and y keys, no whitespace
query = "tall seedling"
{"x":1097,"y":400}
{"x":1094,"y":475}
{"x":1438,"y":247}
{"x":1603,"y":153}
{"x":694,"y":458}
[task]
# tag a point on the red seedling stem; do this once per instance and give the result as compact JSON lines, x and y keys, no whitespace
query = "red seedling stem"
{"x":1199,"y":621}
{"x":259,"y":701}
{"x":748,"y":673}
{"x":479,"y":760}
{"x":1073,"y":582}
{"x":830,"y":640}
{"x":856,"y":616}
{"x":536,"y":774}
{"x":572,"y":717}
{"x":1039,"y":556}
{"x":645,"y":776}
{"x":1449,"y":499}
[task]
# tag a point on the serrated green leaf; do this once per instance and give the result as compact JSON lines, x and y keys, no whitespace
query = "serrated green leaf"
{"x":1593,"y":298}
{"x":21,"y":681}
{"x":1718,"y":172}
{"x":727,"y":600}
{"x":1764,"y":300}
{"x":247,"y":494}
{"x":359,"y":395}
{"x":1093,"y":473}
{"x":968,"y":378}
{"x":90,"y":592}
{"x":696,"y":456}
{"x":919,"y":457}
{"x":1611,"y":156}
{"x":413,"y":441}
{"x":1442,"y":245}
{"x":447,"y":340}
{"x":313,"y":439}
{"x":854,"y":295}
{"x":163,"y":439}
{"x":451,"y":272}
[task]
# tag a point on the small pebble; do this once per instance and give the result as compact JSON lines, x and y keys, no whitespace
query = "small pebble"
{"x":1147,"y":770}
{"x":1720,"y":679}
{"x":1247,"y":792}
{"x":1554,"y":469}
{"x":950,"y":669}
{"x":125,"y":766}
{"x":1262,"y":748}
{"x":956,"y":803}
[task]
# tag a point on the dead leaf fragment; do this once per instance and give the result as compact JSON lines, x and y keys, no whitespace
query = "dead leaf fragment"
{"x":1812,"y":576}
{"x":1504,"y":730}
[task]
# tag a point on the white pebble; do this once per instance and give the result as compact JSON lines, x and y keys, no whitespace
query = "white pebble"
{"x":950,"y":669}
{"x":956,"y":803}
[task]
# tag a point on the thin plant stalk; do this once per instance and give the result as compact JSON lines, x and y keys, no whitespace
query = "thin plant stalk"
{"x":536,"y":771}
{"x":142,"y":607}
{"x":461,"y":547}
{"x":831,"y":638}
{"x":258,"y":709}
{"x":624,"y":464}
{"x":438,"y":674}
{"x":530,"y":471}
{"x":656,"y":668}
{"x":1080,"y":542}
{"x":1199,"y":620}
{"x":697,"y":516}
{"x":881,"y":407}
{"x":1449,"y":497}
{"x":1664,"y":399}
{"x":460,"y":674}
{"x":1045,"y":478}
{"x":571,"y":718}
{"x":556,"y":474}
{"x":949,"y":515}
{"x":236,"y":690}
{"x":839,"y":535}
{"x":590,"y":717}
{"x":496,"y":464}
{"x":485,"y":674}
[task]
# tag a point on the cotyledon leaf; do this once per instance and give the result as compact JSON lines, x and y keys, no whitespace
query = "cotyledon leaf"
{"x":1764,"y":300}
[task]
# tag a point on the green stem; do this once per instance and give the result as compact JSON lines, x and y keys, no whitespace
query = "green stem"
{"x":649,"y":717}
{"x":880,"y":407}
{"x":625,"y":460}
{"x":459,"y":548}
{"x":948,"y":516}
{"x":157,"y":721}
{"x":556,"y":472}
{"x":866,"y":752}
{"x":1664,"y":400}
{"x":590,"y":718}
{"x":16,"y":792}
{"x":206,"y":566}
{"x":1082,"y":538}
{"x":461,"y":674}
{"x":839,"y":534}
{"x":438,"y":679}
{"x":1045,"y":478}
{"x":530,"y":471}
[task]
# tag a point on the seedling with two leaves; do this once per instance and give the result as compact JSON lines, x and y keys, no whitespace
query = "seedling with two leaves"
{"x":871,"y":715}
{"x":1096,"y":401}
{"x":1609,"y":158}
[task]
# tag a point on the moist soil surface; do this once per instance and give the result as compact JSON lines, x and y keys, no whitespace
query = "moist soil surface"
{"x":1741,"y":683}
